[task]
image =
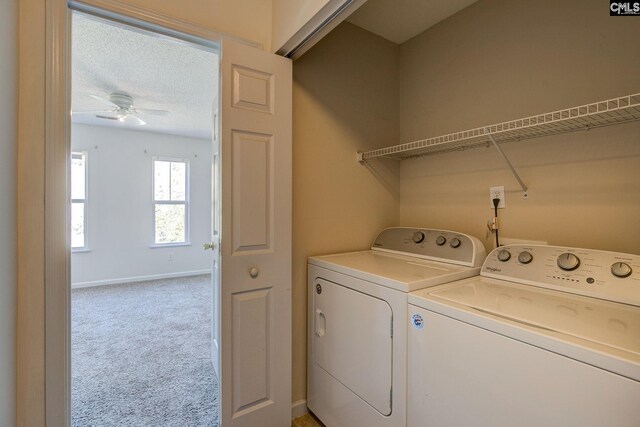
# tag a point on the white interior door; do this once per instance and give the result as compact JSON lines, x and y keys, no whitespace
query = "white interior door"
{"x":255,"y":238}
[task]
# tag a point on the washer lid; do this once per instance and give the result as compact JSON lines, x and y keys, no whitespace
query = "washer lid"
{"x":403,"y":273}
{"x":611,"y":324}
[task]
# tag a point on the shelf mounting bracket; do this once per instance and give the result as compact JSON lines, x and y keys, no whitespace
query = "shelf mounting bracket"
{"x":513,"y":170}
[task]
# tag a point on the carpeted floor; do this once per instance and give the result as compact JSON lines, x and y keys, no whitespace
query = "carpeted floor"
{"x":141,"y":355}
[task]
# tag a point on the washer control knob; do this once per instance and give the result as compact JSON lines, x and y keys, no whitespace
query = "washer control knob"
{"x":621,"y":269}
{"x":568,"y":261}
{"x":418,"y":237}
{"x":441,"y":240}
{"x":455,"y":242}
{"x":504,"y":255}
{"x":525,"y":257}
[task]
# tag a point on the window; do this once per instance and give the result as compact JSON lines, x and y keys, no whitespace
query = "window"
{"x":170,"y":201}
{"x":78,"y":200}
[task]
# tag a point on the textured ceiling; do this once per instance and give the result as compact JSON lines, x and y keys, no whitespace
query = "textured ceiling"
{"x":158,"y":72}
{"x":400,"y":20}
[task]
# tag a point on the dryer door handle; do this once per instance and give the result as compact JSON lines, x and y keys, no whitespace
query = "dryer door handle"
{"x":321,"y":323}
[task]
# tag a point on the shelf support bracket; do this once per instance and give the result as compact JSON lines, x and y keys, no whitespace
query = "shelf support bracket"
{"x":513,"y":170}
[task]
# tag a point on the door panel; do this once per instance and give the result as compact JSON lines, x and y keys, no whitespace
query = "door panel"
{"x":252,"y":89}
{"x":251,"y":349}
{"x":255,"y":240}
{"x":252,"y":191}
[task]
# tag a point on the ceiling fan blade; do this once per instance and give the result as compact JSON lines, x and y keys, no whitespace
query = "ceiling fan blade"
{"x":91,"y":111}
{"x":137,"y":120}
{"x":104,"y":100}
{"x":106,"y":117}
{"x":153,"y":112}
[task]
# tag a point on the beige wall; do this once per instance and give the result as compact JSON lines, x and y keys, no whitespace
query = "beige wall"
{"x":289,"y":16}
{"x":503,"y":59}
{"x":344,"y":99}
{"x":247,"y":19}
{"x":8,"y":138}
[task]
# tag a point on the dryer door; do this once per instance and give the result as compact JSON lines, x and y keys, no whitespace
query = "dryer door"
{"x":352,"y":332}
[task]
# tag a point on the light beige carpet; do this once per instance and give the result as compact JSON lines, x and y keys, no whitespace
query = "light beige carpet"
{"x":141,"y":355}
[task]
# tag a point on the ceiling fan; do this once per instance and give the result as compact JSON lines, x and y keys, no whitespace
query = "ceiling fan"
{"x":122,"y":109}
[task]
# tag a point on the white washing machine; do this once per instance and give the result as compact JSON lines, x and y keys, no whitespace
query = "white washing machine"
{"x":545,"y":336}
{"x":357,"y":329}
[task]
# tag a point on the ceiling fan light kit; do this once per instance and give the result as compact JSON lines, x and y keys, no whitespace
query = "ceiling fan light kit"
{"x":122,"y":108}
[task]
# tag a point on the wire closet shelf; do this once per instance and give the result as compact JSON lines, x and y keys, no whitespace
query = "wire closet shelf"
{"x":598,"y":114}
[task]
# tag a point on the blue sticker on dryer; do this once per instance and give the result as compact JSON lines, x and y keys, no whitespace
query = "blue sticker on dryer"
{"x":417,"y":321}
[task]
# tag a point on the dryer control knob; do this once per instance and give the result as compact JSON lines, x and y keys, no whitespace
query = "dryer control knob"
{"x":621,"y":269}
{"x":568,"y":261}
{"x":525,"y":257}
{"x":418,"y":237}
{"x":441,"y":240}
{"x":455,"y":242}
{"x":504,"y":255}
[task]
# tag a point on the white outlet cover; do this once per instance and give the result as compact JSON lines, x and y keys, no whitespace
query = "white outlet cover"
{"x":500,"y":191}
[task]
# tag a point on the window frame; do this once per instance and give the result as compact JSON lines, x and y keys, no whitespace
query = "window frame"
{"x":186,"y":202}
{"x":85,"y":201}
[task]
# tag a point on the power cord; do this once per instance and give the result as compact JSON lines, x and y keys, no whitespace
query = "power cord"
{"x":496,"y":202}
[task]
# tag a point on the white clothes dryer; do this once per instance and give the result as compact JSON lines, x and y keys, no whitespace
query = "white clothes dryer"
{"x":545,"y":336}
{"x":357,"y":333}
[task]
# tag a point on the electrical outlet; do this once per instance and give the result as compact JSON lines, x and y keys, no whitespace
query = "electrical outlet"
{"x":497,"y":192}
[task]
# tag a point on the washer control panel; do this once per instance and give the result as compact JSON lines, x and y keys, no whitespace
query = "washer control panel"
{"x":612,"y":276}
{"x":439,"y":245}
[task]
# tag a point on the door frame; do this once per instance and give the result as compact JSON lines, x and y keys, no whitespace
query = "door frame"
{"x":43,"y":347}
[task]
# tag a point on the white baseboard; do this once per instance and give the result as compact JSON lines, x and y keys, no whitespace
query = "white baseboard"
{"x":298,"y":408}
{"x":138,"y":279}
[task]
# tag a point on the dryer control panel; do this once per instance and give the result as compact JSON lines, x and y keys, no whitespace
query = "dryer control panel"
{"x":427,"y":243}
{"x":612,"y":276}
